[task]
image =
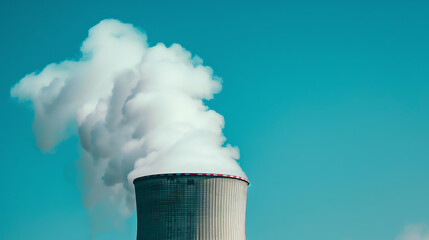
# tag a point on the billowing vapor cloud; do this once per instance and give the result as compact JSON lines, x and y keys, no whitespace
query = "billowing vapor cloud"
{"x":138,"y":110}
{"x":415,"y":232}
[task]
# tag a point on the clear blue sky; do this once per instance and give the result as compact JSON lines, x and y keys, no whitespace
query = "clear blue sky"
{"x":328,"y":102}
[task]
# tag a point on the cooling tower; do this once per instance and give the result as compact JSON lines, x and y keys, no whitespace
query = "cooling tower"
{"x":191,"y":207}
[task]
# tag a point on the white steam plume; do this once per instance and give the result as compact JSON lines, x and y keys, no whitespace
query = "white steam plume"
{"x":139,"y":110}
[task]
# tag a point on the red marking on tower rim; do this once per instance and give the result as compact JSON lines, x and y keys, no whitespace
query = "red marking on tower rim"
{"x":195,"y":174}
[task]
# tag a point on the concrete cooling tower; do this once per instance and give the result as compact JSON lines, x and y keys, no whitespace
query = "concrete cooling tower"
{"x":191,"y":207}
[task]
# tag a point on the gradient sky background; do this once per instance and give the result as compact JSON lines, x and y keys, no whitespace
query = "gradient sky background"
{"x":329,"y":104}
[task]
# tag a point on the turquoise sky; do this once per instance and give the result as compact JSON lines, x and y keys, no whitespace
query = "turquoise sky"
{"x":328,"y":102}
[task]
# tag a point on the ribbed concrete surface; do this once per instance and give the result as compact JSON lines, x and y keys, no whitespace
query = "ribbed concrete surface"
{"x":190,"y":207}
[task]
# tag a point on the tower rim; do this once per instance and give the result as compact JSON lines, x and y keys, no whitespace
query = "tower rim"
{"x":192,"y":174}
